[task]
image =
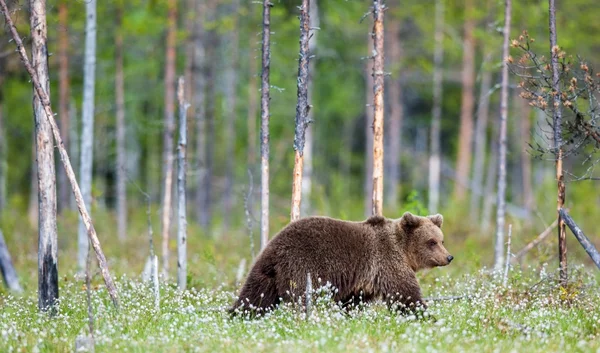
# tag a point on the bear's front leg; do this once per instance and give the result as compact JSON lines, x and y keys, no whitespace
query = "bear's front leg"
{"x":405,"y":295}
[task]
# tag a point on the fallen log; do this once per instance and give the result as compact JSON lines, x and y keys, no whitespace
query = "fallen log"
{"x":583,"y":240}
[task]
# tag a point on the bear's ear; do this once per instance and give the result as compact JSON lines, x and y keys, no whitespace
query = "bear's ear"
{"x":437,"y":219}
{"x":409,"y":220}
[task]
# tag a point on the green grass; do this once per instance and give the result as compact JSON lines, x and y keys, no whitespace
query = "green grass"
{"x":531,"y":314}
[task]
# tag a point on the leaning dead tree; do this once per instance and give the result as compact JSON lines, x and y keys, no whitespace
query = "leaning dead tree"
{"x":566,"y":89}
{"x":501,"y":192}
{"x":378,"y":106}
{"x":7,"y":268}
{"x":302,"y":109}
{"x":264,"y":125}
{"x":46,"y":175}
{"x":587,"y":245}
{"x":181,"y":182}
{"x":45,"y":101}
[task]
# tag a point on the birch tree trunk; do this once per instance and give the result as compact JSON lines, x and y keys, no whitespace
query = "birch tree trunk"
{"x":378,"y":106}
{"x":169,"y":128}
{"x":264,"y":127}
{"x":63,"y":92}
{"x":7,"y":268}
{"x":87,"y":134}
{"x":501,"y":196}
{"x":302,"y":108}
{"x":47,"y":233}
{"x":231,"y":114}
{"x":467,"y":103}
{"x":64,"y":157}
{"x":480,"y":142}
{"x":181,"y":196}
{"x":396,"y":111}
{"x":436,"y":114}
{"x":120,"y":127}
{"x":557,"y":128}
{"x":307,"y":174}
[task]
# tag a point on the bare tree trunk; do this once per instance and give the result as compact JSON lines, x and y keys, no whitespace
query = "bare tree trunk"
{"x":231,"y":113}
{"x":264,"y":128}
{"x":378,"y":106}
{"x":301,"y":109}
{"x":47,"y":241}
{"x":557,"y":128}
{"x":368,"y":185}
{"x":435,"y":153}
{"x":64,"y":157}
{"x":501,"y":196}
{"x":467,"y":103}
{"x":396,"y":111}
{"x":120,"y":115}
{"x":525,"y":134}
{"x":200,"y":73}
{"x":181,"y":197}
{"x":169,"y":127}
{"x":87,"y":134}
{"x":7,"y":268}
{"x":480,"y":142}
{"x":307,"y":175}
{"x":63,"y":91}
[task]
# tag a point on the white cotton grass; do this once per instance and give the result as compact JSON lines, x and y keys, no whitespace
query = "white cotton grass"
{"x":530,"y":314}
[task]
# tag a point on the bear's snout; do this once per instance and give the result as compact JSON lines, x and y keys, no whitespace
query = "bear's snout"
{"x":450,"y":258}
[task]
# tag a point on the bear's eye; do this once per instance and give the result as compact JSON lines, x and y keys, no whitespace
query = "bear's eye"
{"x":432,"y":243}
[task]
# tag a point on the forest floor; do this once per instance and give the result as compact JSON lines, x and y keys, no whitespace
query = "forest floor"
{"x":532,"y":313}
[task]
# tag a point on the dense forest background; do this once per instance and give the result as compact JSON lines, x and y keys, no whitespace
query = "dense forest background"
{"x":218,"y":52}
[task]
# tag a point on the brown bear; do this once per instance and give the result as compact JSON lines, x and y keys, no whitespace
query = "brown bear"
{"x":374,"y":259}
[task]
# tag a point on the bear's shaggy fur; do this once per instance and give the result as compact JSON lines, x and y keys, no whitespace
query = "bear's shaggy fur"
{"x":374,"y":259}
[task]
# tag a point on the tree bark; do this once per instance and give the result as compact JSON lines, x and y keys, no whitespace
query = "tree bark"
{"x":47,"y":232}
{"x":87,"y":134}
{"x":501,"y":196}
{"x":231,"y":113}
{"x":435,"y":153}
{"x":378,"y":106}
{"x":557,"y":128}
{"x":467,"y":103}
{"x":587,"y":245}
{"x":480,"y":141}
{"x":264,"y":128}
{"x":307,"y":174}
{"x":396,"y":112}
{"x":169,"y":128}
{"x":181,"y":189}
{"x":63,"y":92}
{"x":45,"y":101}
{"x":7,"y":268}
{"x":120,"y":127}
{"x":302,"y":109}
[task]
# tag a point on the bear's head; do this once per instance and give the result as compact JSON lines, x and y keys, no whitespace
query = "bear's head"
{"x":423,"y":241}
